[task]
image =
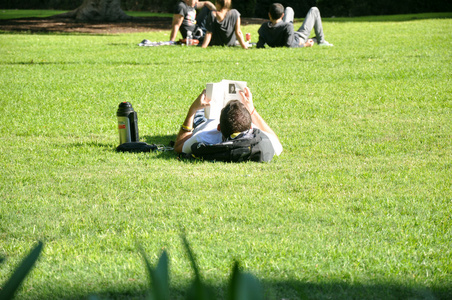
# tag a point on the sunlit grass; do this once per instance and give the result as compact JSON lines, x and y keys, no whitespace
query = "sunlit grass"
{"x":30,"y":13}
{"x":357,"y":206}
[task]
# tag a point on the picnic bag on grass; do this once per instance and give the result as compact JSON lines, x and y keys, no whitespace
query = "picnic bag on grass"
{"x":254,"y":146}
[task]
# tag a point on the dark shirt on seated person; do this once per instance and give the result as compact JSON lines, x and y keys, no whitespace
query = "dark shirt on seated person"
{"x":279,"y":35}
{"x":223,"y":33}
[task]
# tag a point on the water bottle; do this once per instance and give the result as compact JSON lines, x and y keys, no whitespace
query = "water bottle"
{"x":127,"y":123}
{"x":189,"y":38}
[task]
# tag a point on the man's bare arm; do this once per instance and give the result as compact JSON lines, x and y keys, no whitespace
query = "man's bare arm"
{"x":177,"y":22}
{"x":209,"y":5}
{"x":184,"y":134}
{"x":239,"y":34}
{"x":186,"y":130}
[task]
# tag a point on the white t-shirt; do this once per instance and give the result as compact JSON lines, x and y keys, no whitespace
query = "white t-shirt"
{"x":208,"y":133}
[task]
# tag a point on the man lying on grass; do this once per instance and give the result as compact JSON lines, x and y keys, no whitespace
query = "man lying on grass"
{"x":241,"y":135}
{"x":279,"y":32}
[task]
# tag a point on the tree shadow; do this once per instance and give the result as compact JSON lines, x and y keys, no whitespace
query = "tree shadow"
{"x":292,"y":289}
{"x":119,"y":63}
{"x":55,"y":24}
{"x":340,"y":287}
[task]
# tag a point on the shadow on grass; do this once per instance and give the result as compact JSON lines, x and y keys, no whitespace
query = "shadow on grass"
{"x":165,"y":140}
{"x":236,"y":288}
{"x":163,"y":143}
{"x":50,"y":26}
{"x":119,"y":63}
{"x":295,"y":290}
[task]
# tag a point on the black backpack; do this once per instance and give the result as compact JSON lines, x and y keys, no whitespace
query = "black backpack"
{"x":256,"y":147}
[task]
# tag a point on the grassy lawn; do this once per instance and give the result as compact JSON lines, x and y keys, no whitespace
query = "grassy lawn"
{"x":24,"y":13}
{"x":358,"y":206}
{"x":27,"y":13}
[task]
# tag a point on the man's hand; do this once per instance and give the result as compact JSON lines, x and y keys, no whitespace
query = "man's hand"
{"x":247,"y":99}
{"x":201,"y":102}
{"x":309,"y":43}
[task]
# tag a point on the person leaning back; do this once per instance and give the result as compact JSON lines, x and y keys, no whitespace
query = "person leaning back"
{"x":223,"y":26}
{"x":279,"y":32}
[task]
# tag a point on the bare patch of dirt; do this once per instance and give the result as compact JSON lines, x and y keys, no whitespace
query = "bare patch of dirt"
{"x":67,"y":25}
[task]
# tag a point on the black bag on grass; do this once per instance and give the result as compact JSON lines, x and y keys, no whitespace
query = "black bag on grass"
{"x":251,"y":147}
{"x":136,"y":147}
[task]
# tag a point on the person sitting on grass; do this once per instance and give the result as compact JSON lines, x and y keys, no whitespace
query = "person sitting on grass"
{"x":223,"y":26}
{"x":279,"y":32}
{"x":238,"y":120}
{"x":185,"y":19}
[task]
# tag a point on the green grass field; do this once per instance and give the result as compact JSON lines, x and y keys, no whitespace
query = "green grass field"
{"x":23,"y":13}
{"x":358,"y":206}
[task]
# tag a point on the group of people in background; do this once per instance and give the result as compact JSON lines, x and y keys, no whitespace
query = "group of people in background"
{"x":219,"y":25}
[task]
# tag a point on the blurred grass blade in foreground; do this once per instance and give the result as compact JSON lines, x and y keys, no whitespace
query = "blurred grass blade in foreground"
{"x":14,"y":282}
{"x":159,"y":277}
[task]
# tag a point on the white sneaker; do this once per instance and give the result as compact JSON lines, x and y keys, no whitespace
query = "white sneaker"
{"x":325,"y":43}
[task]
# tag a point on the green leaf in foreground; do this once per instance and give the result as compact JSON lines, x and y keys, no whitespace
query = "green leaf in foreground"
{"x":243,"y":286}
{"x":198,"y":291}
{"x":159,"y":277}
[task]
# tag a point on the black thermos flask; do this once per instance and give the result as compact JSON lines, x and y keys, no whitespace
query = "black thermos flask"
{"x":127,"y":123}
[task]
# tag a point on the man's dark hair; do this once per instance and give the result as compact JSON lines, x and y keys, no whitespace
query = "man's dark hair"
{"x":234,"y":118}
{"x":276,"y":11}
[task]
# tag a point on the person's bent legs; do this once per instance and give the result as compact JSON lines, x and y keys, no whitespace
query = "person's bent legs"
{"x":289,"y":15}
{"x":201,"y":20}
{"x":312,"y":20}
{"x":199,"y":118}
